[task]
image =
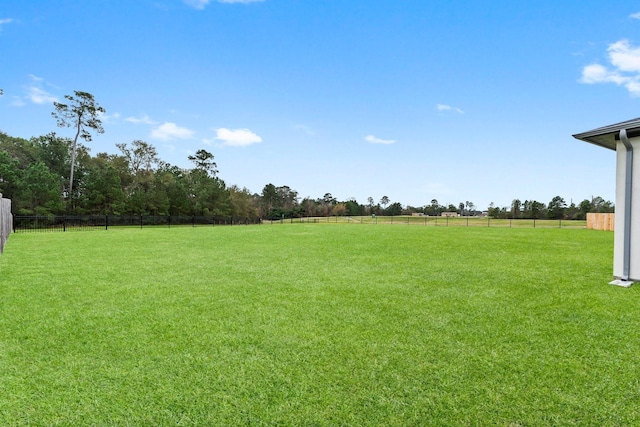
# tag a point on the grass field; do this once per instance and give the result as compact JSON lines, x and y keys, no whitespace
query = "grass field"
{"x":317,"y":325}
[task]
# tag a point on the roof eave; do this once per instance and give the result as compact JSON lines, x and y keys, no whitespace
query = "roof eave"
{"x":599,"y":140}
{"x":606,"y":136}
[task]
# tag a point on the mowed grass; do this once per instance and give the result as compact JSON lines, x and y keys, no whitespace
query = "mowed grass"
{"x":317,"y":325}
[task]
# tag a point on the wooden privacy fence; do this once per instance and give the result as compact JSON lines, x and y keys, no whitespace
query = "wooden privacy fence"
{"x":601,"y":221}
{"x":6,"y":221}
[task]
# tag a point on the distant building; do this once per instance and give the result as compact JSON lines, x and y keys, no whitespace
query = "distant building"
{"x":450,"y":214}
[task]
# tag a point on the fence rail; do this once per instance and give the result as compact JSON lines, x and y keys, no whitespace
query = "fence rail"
{"x":25,"y":224}
{"x":6,"y":221}
{"x":76,"y":223}
{"x":458,"y":221}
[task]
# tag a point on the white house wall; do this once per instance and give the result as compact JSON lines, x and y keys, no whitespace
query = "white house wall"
{"x":618,"y":250}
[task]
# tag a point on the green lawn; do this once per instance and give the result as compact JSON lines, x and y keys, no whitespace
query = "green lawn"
{"x":321,"y":325}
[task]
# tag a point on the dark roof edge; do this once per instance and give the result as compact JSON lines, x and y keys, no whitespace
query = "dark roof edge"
{"x":598,"y":136}
{"x":629,"y":124}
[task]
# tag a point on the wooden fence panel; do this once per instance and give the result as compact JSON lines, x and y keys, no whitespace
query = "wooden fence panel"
{"x":6,"y":221}
{"x":601,"y":221}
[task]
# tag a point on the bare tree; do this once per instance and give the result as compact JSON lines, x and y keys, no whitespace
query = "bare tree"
{"x":82,"y":113}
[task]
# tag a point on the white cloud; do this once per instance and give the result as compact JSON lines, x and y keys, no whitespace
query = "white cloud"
{"x":201,"y":4}
{"x":197,"y":4}
{"x":237,"y":137}
{"x":168,"y":131}
{"x":635,"y":15}
{"x":596,"y":73}
{"x":625,"y":70}
{"x":40,"y":96}
{"x":445,"y":107}
{"x":109,"y":118}
{"x":35,"y":93}
{"x":624,"y":57}
{"x":305,"y":129}
{"x":5,"y":21}
{"x":372,"y":139}
{"x":144,"y":120}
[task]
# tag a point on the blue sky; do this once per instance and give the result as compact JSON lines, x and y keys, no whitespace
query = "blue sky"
{"x":411,"y":99}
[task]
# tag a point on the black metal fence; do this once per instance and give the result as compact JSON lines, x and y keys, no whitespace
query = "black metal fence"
{"x":94,"y":222}
{"x":25,"y":224}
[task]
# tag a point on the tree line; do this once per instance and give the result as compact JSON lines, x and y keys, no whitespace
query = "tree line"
{"x":55,"y":175}
{"x":36,"y":175}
